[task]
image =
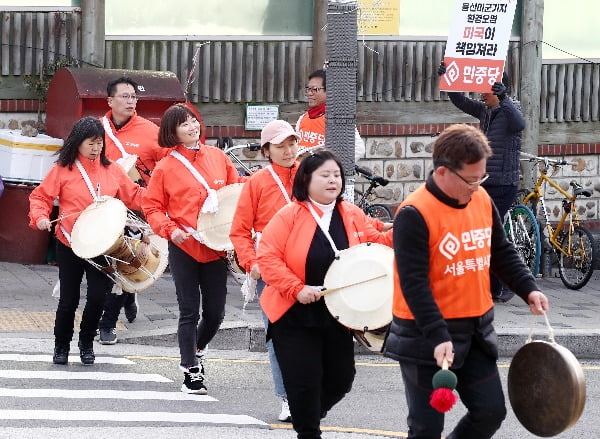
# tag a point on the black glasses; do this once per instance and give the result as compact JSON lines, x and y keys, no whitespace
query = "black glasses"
{"x":312,"y":90}
{"x":471,"y":183}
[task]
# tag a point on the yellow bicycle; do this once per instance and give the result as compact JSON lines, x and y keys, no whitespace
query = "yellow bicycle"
{"x":573,"y":244}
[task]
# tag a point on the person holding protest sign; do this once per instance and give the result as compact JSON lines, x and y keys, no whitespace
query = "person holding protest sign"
{"x":501,"y":120}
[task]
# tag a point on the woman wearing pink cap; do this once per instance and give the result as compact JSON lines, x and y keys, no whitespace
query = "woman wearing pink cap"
{"x":264,"y":193}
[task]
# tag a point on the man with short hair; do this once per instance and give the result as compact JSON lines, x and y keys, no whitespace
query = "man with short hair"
{"x":127,"y":133}
{"x":448,"y":238}
{"x":311,"y":125}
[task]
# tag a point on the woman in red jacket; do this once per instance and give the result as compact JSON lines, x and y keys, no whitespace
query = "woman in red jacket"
{"x":265,"y":192}
{"x":182,"y":184}
{"x":81,"y":174}
{"x":315,"y":352}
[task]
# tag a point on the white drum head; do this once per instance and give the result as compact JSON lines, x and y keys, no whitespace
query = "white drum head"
{"x":128,"y":164}
{"x":214,"y":227}
{"x":162,"y":246}
{"x":98,"y":228}
{"x":366,"y":305}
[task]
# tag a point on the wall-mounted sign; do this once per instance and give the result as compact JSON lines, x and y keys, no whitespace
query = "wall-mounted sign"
{"x":257,"y":116}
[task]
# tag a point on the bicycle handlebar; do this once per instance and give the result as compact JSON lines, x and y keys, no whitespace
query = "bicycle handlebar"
{"x":545,"y":160}
{"x":250,"y":146}
{"x":369,"y":176}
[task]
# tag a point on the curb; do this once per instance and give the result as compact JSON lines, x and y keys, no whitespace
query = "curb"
{"x":584,"y":345}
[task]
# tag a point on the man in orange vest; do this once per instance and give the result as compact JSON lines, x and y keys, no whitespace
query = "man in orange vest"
{"x":311,"y":125}
{"x":448,"y":237}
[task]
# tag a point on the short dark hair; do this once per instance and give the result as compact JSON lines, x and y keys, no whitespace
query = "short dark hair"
{"x":171,"y":119}
{"x":319,"y":74}
{"x":85,"y":128}
{"x":111,"y":88}
{"x":313,"y":160}
{"x":460,"y":145}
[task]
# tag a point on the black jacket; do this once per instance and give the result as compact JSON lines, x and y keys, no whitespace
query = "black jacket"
{"x":503,"y":126}
{"x":414,"y":340}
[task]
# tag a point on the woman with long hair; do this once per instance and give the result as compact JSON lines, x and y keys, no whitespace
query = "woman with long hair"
{"x":80,"y":176}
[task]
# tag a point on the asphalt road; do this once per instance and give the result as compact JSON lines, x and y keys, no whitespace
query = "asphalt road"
{"x":240,"y":401}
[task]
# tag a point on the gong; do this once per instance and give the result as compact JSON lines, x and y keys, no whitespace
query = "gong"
{"x":546,"y":388}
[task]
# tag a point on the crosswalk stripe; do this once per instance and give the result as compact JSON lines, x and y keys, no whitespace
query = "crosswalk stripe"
{"x":72,"y":358}
{"x":103,"y":394}
{"x":59,"y":415}
{"x":100,"y":376}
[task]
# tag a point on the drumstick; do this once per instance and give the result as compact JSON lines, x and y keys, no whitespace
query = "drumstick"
{"x":331,"y":290}
{"x":65,"y":216}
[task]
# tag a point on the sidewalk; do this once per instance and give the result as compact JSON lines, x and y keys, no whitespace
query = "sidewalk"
{"x":27,"y":310}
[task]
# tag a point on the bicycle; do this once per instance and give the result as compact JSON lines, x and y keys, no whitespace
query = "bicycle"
{"x":522,"y":230}
{"x":572,"y":243}
{"x":375,"y":210}
{"x":226,"y":144}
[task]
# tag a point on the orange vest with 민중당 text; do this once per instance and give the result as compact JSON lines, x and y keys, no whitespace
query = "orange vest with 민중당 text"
{"x":459,"y":255}
{"x":311,"y":131}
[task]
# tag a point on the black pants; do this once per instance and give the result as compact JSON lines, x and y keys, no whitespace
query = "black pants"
{"x":70,"y":272}
{"x":480,"y":391}
{"x":317,"y":365}
{"x":503,"y":197}
{"x":112,"y":308}
{"x":191,"y":277}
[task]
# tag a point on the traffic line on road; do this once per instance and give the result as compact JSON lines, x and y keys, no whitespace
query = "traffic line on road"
{"x":43,"y":358}
{"x":348,"y":430}
{"x":100,"y":376}
{"x":103,"y":394}
{"x":153,"y":417}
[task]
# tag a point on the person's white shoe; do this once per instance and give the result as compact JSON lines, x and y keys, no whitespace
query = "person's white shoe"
{"x":285,"y":415}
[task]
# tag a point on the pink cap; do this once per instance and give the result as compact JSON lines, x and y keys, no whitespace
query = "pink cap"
{"x":277,"y":131}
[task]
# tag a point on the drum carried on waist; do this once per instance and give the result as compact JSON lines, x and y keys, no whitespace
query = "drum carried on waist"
{"x":546,"y":387}
{"x":213,"y":228}
{"x":128,"y":164}
{"x":117,"y":242}
{"x":359,"y":290}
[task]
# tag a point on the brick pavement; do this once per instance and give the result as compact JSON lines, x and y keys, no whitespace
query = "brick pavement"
{"x":27,"y":307}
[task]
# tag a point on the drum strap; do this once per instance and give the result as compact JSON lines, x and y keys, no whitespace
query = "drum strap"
{"x":323,"y":229}
{"x":87,"y":180}
{"x":211,"y":204}
{"x":109,"y":132}
{"x":279,"y":183}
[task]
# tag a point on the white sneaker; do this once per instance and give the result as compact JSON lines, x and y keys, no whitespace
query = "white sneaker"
{"x":285,"y":415}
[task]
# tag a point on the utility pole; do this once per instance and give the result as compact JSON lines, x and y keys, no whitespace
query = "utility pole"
{"x":319,"y":35}
{"x":92,"y":32}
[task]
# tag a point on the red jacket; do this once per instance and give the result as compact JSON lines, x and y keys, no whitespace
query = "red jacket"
{"x":261,"y":198}
{"x":138,"y":136}
{"x":74,"y":196}
{"x":174,"y":196}
{"x":284,"y":246}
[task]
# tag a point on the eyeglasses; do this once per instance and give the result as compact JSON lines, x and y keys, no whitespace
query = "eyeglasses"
{"x":127,"y":97}
{"x":312,"y":90}
{"x":470,"y":183}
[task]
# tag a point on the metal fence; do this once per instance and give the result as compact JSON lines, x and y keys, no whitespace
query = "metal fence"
{"x":272,"y":70}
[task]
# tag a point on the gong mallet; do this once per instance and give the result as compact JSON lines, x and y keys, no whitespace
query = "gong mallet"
{"x":444,"y":382}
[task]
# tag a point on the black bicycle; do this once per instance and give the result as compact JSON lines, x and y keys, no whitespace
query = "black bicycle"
{"x":374,"y":210}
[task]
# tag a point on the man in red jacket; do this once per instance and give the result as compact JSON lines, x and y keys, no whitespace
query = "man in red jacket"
{"x":127,"y":134}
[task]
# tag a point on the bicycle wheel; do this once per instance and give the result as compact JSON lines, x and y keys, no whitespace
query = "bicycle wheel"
{"x":522,"y":230}
{"x":576,"y":266}
{"x":380,"y":212}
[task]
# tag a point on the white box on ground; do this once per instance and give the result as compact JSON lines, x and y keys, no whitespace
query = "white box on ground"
{"x":26,"y":158}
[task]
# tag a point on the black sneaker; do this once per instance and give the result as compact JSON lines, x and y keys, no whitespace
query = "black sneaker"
{"x":86,"y":352}
{"x":61,"y":353}
{"x":131,"y":309}
{"x":194,"y":382}
{"x":108,"y":336}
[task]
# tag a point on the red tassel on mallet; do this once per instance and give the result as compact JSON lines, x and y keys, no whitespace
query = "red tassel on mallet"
{"x":444,"y":382}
